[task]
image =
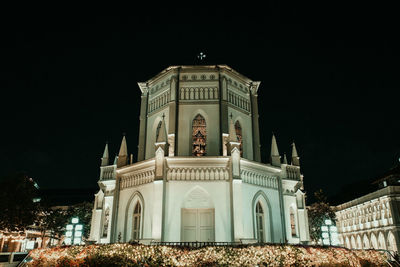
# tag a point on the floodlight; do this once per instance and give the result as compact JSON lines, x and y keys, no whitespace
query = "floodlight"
{"x":325,"y":235}
{"x":333,"y":228}
{"x":70,"y":227}
{"x":328,"y":222}
{"x":77,"y":240}
{"x":326,"y":241}
{"x":68,"y":241}
{"x":75,"y":220}
{"x":324,"y":228}
{"x":68,"y":233}
{"x":78,"y":227}
{"x":78,"y":233}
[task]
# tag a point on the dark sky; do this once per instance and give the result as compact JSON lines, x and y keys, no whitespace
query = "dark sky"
{"x":329,"y":80}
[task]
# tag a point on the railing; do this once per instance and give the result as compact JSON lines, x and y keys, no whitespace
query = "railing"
{"x":293,"y":172}
{"x":12,"y":258}
{"x":258,"y":178}
{"x":107,"y":172}
{"x":195,"y":244}
{"x":198,"y":173}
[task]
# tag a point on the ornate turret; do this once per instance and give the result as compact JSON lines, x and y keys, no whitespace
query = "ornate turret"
{"x":295,"y":156}
{"x":104,"y":159}
{"x":275,"y":158}
{"x":123,"y":154}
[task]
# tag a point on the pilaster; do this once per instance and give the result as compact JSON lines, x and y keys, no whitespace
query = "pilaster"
{"x":255,"y":123}
{"x":143,"y":122}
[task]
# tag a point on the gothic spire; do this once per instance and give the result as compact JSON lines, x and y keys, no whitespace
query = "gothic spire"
{"x":123,"y":150}
{"x":123,"y":153}
{"x":275,"y":158}
{"x":295,"y":156}
{"x":104,"y":159}
{"x":274,"y":147}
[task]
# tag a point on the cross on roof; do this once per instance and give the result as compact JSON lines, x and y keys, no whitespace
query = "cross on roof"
{"x":201,"y":56}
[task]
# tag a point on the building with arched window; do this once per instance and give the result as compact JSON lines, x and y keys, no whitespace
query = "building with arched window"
{"x":199,"y":175}
{"x":373,"y":219}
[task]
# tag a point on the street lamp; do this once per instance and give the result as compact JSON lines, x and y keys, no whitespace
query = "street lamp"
{"x":74,"y":232}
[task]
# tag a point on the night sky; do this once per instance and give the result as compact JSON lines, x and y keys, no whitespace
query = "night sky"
{"x":329,"y":80}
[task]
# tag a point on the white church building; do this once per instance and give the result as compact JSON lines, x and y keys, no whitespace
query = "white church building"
{"x":199,"y":175}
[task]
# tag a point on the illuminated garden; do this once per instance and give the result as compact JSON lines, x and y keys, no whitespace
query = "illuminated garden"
{"x":252,"y":255}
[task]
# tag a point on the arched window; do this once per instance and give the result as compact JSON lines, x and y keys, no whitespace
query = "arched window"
{"x":136,"y":221}
{"x":199,"y":136}
{"x":158,"y":130}
{"x":292,"y":222}
{"x":106,"y":221}
{"x":260,"y":222}
{"x":238,"y":130}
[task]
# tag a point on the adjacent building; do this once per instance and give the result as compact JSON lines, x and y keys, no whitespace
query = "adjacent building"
{"x":373,"y":220}
{"x":199,"y":175}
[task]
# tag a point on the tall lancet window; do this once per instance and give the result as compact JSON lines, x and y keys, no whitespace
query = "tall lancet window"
{"x":238,"y":130}
{"x":260,"y":222}
{"x":158,"y":130}
{"x":292,"y":222}
{"x":199,"y":136}
{"x":136,"y":221}
{"x":106,"y":221}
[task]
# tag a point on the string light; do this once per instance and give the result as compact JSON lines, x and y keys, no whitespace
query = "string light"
{"x":271,"y":255}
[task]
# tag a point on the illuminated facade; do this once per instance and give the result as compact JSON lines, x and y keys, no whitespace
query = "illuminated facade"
{"x":372,"y":221}
{"x":199,"y":175}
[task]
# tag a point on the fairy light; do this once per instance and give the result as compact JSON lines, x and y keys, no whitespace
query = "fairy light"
{"x":271,"y":255}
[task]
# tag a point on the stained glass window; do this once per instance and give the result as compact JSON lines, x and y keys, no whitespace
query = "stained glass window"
{"x":199,"y":136}
{"x":292,"y":222}
{"x":238,"y":129}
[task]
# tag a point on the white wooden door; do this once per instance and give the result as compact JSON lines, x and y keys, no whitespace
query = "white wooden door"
{"x":197,"y":225}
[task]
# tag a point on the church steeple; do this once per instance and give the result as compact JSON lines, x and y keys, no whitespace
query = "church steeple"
{"x":123,"y":153}
{"x":275,"y":158}
{"x":295,"y":156}
{"x":104,"y":159}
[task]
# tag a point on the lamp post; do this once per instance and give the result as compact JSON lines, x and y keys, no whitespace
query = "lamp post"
{"x":329,"y":234}
{"x":74,"y":233}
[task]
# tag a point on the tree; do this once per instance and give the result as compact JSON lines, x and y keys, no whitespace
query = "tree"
{"x":84,"y":212}
{"x":51,"y":221}
{"x":18,"y":208}
{"x":318,"y":212}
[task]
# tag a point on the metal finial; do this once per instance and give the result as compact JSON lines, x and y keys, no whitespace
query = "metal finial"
{"x":201,"y":56}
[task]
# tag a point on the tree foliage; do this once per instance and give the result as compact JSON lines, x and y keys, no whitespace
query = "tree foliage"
{"x":317,"y":213}
{"x":17,"y":208}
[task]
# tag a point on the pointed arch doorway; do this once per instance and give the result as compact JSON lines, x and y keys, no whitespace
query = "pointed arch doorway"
{"x":197,"y":217}
{"x":197,"y":225}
